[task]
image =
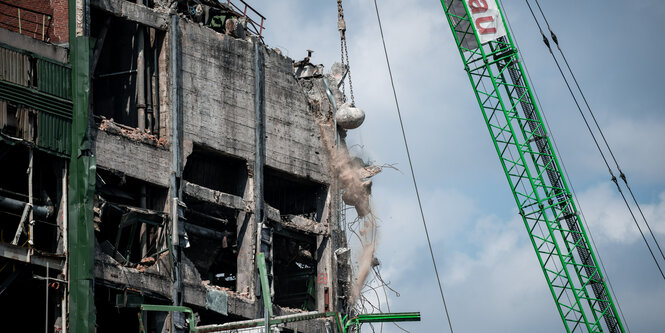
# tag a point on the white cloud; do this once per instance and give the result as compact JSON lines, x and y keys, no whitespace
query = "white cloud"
{"x":610,"y":220}
{"x":487,"y":266}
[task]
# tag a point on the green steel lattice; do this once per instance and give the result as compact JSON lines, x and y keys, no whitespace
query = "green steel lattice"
{"x":534,"y":174}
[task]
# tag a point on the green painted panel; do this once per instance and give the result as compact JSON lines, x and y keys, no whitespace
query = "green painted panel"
{"x":35,"y":99}
{"x":54,"y":79}
{"x":54,"y":133}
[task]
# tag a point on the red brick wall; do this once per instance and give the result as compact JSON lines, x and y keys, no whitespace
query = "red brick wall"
{"x":60,"y":24}
{"x":35,"y":18}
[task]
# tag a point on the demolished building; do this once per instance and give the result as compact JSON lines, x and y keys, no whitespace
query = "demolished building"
{"x":159,"y":153}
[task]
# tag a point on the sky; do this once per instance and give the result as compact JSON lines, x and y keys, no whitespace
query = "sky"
{"x":490,"y":274}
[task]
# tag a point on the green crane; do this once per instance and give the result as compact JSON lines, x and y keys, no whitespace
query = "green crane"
{"x":533,"y":171}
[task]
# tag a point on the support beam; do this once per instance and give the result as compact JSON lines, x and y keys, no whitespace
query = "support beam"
{"x":30,"y":256}
{"x":216,"y":197}
{"x":99,"y":45}
{"x":205,"y":232}
{"x":82,"y":171}
{"x":175,"y":188}
{"x":21,"y":225}
{"x":31,"y":213}
{"x":133,"y":12}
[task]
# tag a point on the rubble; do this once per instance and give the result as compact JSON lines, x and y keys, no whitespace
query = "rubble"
{"x":109,"y":126}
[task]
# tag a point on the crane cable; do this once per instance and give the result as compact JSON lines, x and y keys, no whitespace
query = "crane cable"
{"x":413,"y":176}
{"x":593,"y":116}
{"x":565,"y":170}
{"x":344,"y":49}
{"x":586,"y":122}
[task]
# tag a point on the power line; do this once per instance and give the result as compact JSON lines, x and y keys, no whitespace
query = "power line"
{"x":413,"y":175}
{"x":600,"y":130}
{"x":593,"y":136}
{"x":565,"y":170}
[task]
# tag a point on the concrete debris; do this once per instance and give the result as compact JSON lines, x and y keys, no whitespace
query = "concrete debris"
{"x":369,"y":171}
{"x":147,"y":262}
{"x":111,"y":127}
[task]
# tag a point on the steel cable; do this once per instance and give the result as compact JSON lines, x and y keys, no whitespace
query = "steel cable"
{"x":600,"y":130}
{"x":413,"y":175}
{"x":565,"y":170}
{"x":595,"y":140}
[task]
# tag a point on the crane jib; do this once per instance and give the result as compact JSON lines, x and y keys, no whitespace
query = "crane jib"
{"x":532,"y":169}
{"x":486,"y":20}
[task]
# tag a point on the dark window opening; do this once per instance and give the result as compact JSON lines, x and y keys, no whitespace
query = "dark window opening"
{"x":294,"y":195}
{"x":294,"y":270}
{"x":47,"y":190}
{"x":22,"y":291}
{"x":125,"y":81}
{"x":118,"y":310}
{"x":216,"y":171}
{"x":129,"y":221}
{"x":213,"y":243}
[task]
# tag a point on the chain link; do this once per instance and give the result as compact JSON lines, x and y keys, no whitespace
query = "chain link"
{"x":344,"y":49}
{"x":346,"y":53}
{"x":341,"y":55}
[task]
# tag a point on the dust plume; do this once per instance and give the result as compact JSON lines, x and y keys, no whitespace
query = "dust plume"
{"x":357,"y":192}
{"x":368,"y":239}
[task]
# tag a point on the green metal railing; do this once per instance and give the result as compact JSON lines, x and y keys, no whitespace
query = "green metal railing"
{"x":534,"y":174}
{"x":343,"y":325}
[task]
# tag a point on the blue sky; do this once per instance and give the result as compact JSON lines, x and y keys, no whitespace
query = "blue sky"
{"x":491,"y":275}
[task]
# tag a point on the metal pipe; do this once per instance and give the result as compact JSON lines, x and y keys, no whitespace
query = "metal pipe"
{"x":170,"y":308}
{"x":143,"y":233}
{"x":259,"y":162}
{"x":176,"y":168}
{"x":131,"y":71}
{"x":31,"y":219}
{"x":65,"y":242}
{"x":46,"y":310}
{"x":148,"y":88}
{"x":258,"y":322}
{"x":40,"y":212}
{"x":155,"y":69}
{"x":140,"y":76}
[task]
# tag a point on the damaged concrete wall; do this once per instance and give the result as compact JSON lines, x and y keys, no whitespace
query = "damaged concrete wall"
{"x":218,"y":90}
{"x":218,"y":86}
{"x":293,"y":141}
{"x":118,"y":153}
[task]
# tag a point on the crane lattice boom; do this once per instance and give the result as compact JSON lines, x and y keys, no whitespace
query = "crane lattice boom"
{"x":531,"y":167}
